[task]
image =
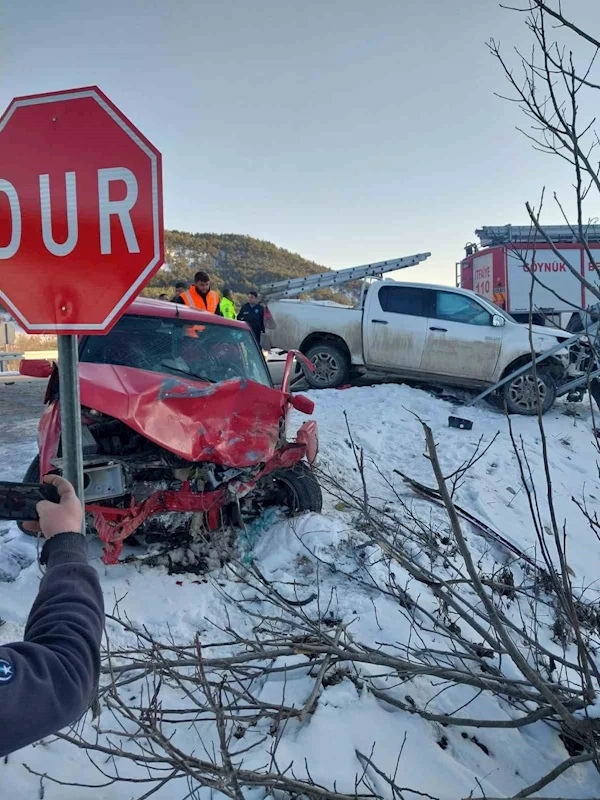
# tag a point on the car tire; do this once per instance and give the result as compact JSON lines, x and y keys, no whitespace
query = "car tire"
{"x":332,"y":366}
{"x":31,"y":476}
{"x":520,"y":394}
{"x":296,"y":487}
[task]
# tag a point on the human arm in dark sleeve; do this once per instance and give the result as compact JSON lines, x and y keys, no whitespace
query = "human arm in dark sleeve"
{"x":48,"y":680}
{"x":179,"y":299}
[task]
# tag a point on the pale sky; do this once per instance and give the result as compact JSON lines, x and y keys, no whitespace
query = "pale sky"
{"x":348,"y":131}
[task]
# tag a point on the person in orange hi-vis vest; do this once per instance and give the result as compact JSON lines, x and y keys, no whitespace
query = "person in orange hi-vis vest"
{"x":499,"y":296}
{"x":201,"y":296}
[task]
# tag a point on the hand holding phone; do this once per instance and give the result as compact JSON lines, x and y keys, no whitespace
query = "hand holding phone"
{"x":19,"y":501}
{"x":50,"y":507}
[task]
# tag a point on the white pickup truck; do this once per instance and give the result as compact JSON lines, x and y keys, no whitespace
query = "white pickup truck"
{"x":433,"y":334}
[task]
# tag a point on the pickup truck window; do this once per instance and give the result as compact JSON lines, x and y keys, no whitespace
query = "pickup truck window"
{"x":405,"y":300}
{"x":458,"y":308}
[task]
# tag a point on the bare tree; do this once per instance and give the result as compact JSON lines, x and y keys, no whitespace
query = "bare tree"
{"x":557,"y":86}
{"x":485,"y":625}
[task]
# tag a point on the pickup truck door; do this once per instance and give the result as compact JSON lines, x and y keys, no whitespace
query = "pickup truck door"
{"x":461,"y":339}
{"x":395,"y":326}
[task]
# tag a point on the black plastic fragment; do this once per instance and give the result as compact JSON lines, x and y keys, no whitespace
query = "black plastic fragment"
{"x":459,"y":422}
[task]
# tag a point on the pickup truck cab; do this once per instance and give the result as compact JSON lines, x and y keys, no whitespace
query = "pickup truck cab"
{"x":433,"y":334}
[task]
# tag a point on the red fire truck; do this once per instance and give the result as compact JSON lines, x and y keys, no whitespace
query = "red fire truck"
{"x":510,"y":258}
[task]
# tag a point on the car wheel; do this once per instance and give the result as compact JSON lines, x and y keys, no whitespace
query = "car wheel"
{"x":296,"y":488}
{"x":31,"y":476}
{"x":521,"y":394}
{"x":331,"y":364}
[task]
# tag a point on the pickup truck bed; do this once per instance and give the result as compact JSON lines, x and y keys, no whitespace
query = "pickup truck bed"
{"x":299,"y":322}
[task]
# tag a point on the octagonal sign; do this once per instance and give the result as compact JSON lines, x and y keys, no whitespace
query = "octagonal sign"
{"x":81,"y":229}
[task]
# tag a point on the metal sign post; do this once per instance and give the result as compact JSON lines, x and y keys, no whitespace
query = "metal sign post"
{"x":70,"y":412}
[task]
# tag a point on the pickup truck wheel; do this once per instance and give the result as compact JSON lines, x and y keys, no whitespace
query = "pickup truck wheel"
{"x":331,"y":365}
{"x":520,"y":394}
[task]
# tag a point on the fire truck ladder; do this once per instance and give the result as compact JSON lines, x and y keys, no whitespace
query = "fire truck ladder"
{"x":492,"y":235}
{"x":323,"y":280}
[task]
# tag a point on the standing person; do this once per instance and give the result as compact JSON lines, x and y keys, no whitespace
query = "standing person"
{"x":227,"y":306}
{"x":201,"y":296}
{"x":253,"y":314}
{"x":499,"y":296}
{"x":180,"y":288}
{"x":49,"y":679}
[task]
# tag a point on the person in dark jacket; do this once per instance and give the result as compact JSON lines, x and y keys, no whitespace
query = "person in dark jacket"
{"x":253,"y":314}
{"x":48,"y":680}
{"x":180,"y":288}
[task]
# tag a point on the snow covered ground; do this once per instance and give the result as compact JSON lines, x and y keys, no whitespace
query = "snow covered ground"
{"x":442,"y":762}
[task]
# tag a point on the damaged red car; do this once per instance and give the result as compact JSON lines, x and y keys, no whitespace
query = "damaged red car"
{"x":183,"y":433}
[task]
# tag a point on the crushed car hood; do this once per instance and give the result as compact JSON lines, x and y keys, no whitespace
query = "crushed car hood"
{"x":233,"y":423}
{"x":551,"y":333}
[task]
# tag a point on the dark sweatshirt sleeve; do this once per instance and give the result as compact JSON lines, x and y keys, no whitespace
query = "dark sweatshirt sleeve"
{"x":48,"y":680}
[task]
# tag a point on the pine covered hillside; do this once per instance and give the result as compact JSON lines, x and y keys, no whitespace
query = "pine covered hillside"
{"x":232,"y":260}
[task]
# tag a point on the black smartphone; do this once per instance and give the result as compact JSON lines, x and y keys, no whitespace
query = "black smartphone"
{"x":18,"y":501}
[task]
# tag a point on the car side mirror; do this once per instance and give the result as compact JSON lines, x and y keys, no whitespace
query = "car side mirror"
{"x":498,"y":321}
{"x":303,"y":404}
{"x":36,"y":367}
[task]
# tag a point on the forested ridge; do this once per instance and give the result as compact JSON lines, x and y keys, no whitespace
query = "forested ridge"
{"x":234,"y":261}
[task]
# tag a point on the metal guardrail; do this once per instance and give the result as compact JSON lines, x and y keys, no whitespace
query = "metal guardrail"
{"x":577,"y":382}
{"x":4,"y":357}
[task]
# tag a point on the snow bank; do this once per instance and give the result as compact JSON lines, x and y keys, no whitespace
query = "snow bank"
{"x":315,"y":553}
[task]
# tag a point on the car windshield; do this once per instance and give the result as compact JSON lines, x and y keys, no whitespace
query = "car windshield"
{"x":173,"y":346}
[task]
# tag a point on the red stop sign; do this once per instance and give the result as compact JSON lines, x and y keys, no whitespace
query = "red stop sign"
{"x":81,"y":229}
